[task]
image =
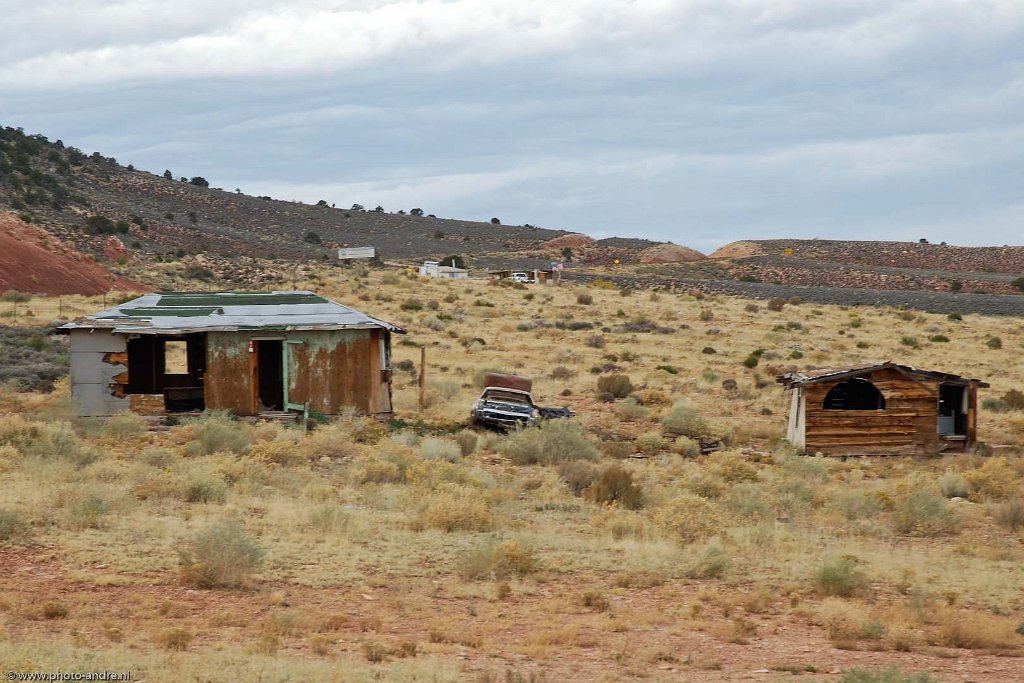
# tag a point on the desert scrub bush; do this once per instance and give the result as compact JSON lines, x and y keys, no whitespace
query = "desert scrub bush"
{"x":924,"y":514}
{"x":687,"y":518}
{"x":686,"y":447}
{"x":711,"y":562}
{"x":618,"y":385}
{"x":578,"y":475}
{"x":85,"y":507}
{"x":996,"y":479}
{"x":1008,"y":513}
{"x":124,"y":425}
{"x":221,"y":555}
{"x":841,"y":578}
{"x":328,"y":518}
{"x":630,"y":410}
{"x":446,"y":389}
{"x":619,"y":524}
{"x":649,"y":443}
{"x":615,"y":486}
{"x":280,"y":451}
{"x":561,"y":372}
{"x":202,"y":486}
{"x":888,"y":675}
{"x":994,"y":343}
{"x":584,"y":299}
{"x":467,"y":441}
{"x":176,"y":639}
{"x":215,"y":432}
{"x":683,"y":420}
{"x":853,"y":504}
{"x":550,"y":442}
{"x":12,"y":525}
{"x":432,"y":322}
{"x":731,"y":467}
{"x":377,"y":470}
{"x":975,"y":631}
{"x":456,"y":508}
{"x":496,"y":560}
{"x":953,"y":485}
{"x":433,"y":448}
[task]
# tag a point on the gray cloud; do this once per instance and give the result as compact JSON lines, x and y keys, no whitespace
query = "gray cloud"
{"x":700,"y":122}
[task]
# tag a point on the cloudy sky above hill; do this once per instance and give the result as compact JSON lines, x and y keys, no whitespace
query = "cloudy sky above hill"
{"x":695,"y":121}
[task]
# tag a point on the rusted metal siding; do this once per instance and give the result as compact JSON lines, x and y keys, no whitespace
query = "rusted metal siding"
{"x":329,"y":369}
{"x":99,"y":372}
{"x":229,"y":381}
{"x":336,"y":369}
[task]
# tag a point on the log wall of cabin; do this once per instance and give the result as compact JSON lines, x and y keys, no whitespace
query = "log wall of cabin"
{"x":908,"y":424}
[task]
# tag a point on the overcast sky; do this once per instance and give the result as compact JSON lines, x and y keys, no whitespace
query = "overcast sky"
{"x":695,"y":121}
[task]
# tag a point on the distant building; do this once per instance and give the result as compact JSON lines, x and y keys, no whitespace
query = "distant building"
{"x":246,"y":352}
{"x":434,"y":269}
{"x":881,"y":409}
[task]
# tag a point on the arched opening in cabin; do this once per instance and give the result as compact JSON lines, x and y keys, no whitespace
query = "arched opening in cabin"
{"x":854,"y":394}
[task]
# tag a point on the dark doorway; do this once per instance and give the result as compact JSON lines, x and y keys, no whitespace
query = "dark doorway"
{"x":952,"y":414}
{"x":854,"y":394}
{"x":270,"y":374}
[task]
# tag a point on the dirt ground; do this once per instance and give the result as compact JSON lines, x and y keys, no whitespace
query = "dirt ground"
{"x":533,"y":632}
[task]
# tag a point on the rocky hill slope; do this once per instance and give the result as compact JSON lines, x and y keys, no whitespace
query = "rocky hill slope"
{"x":121,"y":215}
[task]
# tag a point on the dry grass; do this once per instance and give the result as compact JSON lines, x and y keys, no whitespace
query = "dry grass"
{"x":502,"y":530}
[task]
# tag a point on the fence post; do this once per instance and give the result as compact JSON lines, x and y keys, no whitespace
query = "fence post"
{"x":423,"y":375}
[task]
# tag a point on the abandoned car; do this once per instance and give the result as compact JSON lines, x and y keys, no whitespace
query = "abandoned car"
{"x":506,"y":402}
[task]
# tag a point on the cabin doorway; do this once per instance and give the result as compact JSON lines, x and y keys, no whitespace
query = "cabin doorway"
{"x":270,"y":374}
{"x":952,"y":410}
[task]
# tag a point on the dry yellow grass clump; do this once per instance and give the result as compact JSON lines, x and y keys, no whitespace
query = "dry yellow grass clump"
{"x":603,"y":548}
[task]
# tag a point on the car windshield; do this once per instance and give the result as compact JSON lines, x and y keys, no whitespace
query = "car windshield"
{"x":508,"y":396}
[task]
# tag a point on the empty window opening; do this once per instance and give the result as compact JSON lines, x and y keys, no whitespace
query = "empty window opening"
{"x":854,"y":394}
{"x":175,"y":358}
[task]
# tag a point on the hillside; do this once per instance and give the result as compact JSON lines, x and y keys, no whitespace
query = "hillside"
{"x":34,"y":262}
{"x":879,"y":265}
{"x":132,"y":218}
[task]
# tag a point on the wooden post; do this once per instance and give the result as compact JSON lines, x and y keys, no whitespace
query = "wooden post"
{"x":423,"y":375}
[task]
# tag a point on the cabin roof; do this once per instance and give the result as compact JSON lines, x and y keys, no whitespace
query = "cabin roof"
{"x":185,"y":312}
{"x":803,"y":377}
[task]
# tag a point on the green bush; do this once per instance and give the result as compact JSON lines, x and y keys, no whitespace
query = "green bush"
{"x":222,"y":555}
{"x":923,"y":514}
{"x":615,"y":486}
{"x":994,"y":343}
{"x":841,"y":578}
{"x":584,"y":299}
{"x":551,"y":442}
{"x":216,"y":432}
{"x":204,"y":487}
{"x":467,"y":441}
{"x":683,"y":420}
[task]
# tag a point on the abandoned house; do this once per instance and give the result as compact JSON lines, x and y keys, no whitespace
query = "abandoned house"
{"x":246,"y":352}
{"x":881,"y":409}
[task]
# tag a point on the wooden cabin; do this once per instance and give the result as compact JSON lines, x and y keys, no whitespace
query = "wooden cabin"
{"x":245,"y":352}
{"x":881,"y":409}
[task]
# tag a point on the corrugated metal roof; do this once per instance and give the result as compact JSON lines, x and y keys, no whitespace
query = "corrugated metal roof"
{"x":799,"y":378}
{"x":182,"y":312}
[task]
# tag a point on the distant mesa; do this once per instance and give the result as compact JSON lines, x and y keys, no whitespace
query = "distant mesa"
{"x":740,"y":249}
{"x":573,"y":240}
{"x":670,"y":253}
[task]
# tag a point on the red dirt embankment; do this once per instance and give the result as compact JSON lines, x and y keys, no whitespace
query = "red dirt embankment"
{"x":32,"y":261}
